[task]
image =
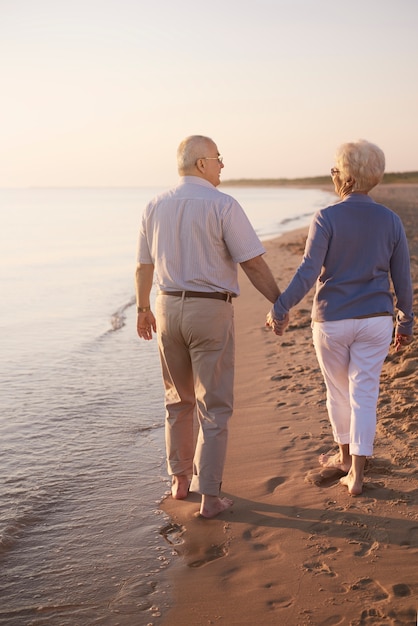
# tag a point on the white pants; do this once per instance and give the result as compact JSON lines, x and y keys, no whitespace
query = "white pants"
{"x":351,"y":354}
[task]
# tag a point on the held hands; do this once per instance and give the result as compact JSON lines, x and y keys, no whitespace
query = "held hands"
{"x":145,"y":324}
{"x":401,"y":341}
{"x":276,"y":325}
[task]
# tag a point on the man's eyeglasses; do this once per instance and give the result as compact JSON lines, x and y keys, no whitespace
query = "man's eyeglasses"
{"x":219,"y":158}
{"x":334,"y":171}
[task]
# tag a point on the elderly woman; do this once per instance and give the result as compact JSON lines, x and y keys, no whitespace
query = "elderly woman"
{"x":352,"y":251}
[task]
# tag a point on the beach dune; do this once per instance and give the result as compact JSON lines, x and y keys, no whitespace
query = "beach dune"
{"x":296,"y":549}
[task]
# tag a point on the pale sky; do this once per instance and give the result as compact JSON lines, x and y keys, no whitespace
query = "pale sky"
{"x":101,"y":92}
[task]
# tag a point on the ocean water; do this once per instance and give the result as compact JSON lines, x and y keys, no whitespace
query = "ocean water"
{"x":82,"y":468}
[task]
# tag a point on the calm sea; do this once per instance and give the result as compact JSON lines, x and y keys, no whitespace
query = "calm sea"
{"x":82,"y":468}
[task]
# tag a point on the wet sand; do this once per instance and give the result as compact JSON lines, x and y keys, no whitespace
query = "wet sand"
{"x":296,"y":549}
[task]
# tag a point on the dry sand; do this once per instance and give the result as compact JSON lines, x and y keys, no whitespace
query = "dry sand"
{"x":296,"y":549}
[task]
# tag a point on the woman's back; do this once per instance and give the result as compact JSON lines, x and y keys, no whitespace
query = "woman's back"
{"x":362,"y":240}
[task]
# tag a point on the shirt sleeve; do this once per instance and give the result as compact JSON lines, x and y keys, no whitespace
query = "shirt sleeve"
{"x":400,"y":272}
{"x":308,"y":271}
{"x":239,"y":235}
{"x":143,"y":250}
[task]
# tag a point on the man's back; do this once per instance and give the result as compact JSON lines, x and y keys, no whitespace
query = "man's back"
{"x":194,"y":235}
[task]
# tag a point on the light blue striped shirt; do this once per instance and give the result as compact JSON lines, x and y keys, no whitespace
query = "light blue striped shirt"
{"x":195,"y":235}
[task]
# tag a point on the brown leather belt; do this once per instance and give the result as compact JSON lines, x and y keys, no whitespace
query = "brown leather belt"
{"x":217,"y":295}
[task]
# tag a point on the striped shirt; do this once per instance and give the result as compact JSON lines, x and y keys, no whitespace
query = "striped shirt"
{"x":195,"y":236}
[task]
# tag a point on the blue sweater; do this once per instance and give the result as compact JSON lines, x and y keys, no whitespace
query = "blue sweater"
{"x":353,"y":249}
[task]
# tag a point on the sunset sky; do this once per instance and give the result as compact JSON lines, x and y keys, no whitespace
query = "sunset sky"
{"x":100,"y":92}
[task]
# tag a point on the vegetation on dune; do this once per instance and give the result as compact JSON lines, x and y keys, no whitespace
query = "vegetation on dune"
{"x":390,"y":177}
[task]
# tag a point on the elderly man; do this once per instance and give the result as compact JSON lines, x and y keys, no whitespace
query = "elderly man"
{"x":193,"y":237}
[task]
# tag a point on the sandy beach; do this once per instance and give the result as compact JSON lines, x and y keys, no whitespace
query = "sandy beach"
{"x":296,"y":549}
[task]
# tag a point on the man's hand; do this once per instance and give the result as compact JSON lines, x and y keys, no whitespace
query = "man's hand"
{"x":145,"y":324}
{"x":277,"y":326}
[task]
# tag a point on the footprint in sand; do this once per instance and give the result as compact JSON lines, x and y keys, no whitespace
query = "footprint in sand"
{"x":251,"y":533}
{"x":371,"y":590}
{"x":324,"y":477}
{"x":318,"y":567}
{"x":281,"y":603}
{"x":173,"y":534}
{"x":401,"y":590}
{"x":380,"y":465}
{"x":212,"y":554}
{"x":378,"y":616}
{"x":273,"y":483}
{"x":371,"y":616}
{"x":254,"y":536}
{"x":365,"y":549}
{"x":368,"y":542}
{"x":327,"y":550}
{"x":261,"y":542}
{"x":305,"y":437}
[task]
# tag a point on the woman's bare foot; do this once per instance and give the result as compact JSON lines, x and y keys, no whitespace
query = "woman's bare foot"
{"x":355,"y":486}
{"x":335,"y":461}
{"x":212,"y":505}
{"x":180,"y":487}
{"x":354,"y":478}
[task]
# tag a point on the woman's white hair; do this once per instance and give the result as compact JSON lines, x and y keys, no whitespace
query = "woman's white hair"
{"x":190,"y":150}
{"x":362,"y":162}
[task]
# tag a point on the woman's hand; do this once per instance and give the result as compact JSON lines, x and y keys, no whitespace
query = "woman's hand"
{"x":401,"y":341}
{"x":277,"y":326}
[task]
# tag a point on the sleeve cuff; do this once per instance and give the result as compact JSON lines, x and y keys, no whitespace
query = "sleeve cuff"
{"x":279,"y":310}
{"x":404,"y":323}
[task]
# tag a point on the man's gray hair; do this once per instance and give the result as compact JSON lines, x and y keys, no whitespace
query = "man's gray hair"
{"x":190,"y":150}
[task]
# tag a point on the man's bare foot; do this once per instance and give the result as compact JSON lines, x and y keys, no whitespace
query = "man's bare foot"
{"x":180,"y":487}
{"x":212,"y":506}
{"x":355,"y":486}
{"x":334,"y":461}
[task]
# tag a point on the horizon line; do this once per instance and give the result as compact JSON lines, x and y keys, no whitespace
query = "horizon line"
{"x":407,"y":176}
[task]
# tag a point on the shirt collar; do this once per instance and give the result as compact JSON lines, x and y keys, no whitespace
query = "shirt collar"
{"x":359,"y":197}
{"x":196,"y":180}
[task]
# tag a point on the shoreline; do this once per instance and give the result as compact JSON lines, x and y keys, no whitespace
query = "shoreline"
{"x":296,"y":549}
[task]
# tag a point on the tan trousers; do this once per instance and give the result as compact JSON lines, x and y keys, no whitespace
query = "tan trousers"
{"x":196,"y":344}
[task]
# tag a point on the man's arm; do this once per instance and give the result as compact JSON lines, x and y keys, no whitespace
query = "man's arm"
{"x":261,"y":277}
{"x":145,"y":322}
